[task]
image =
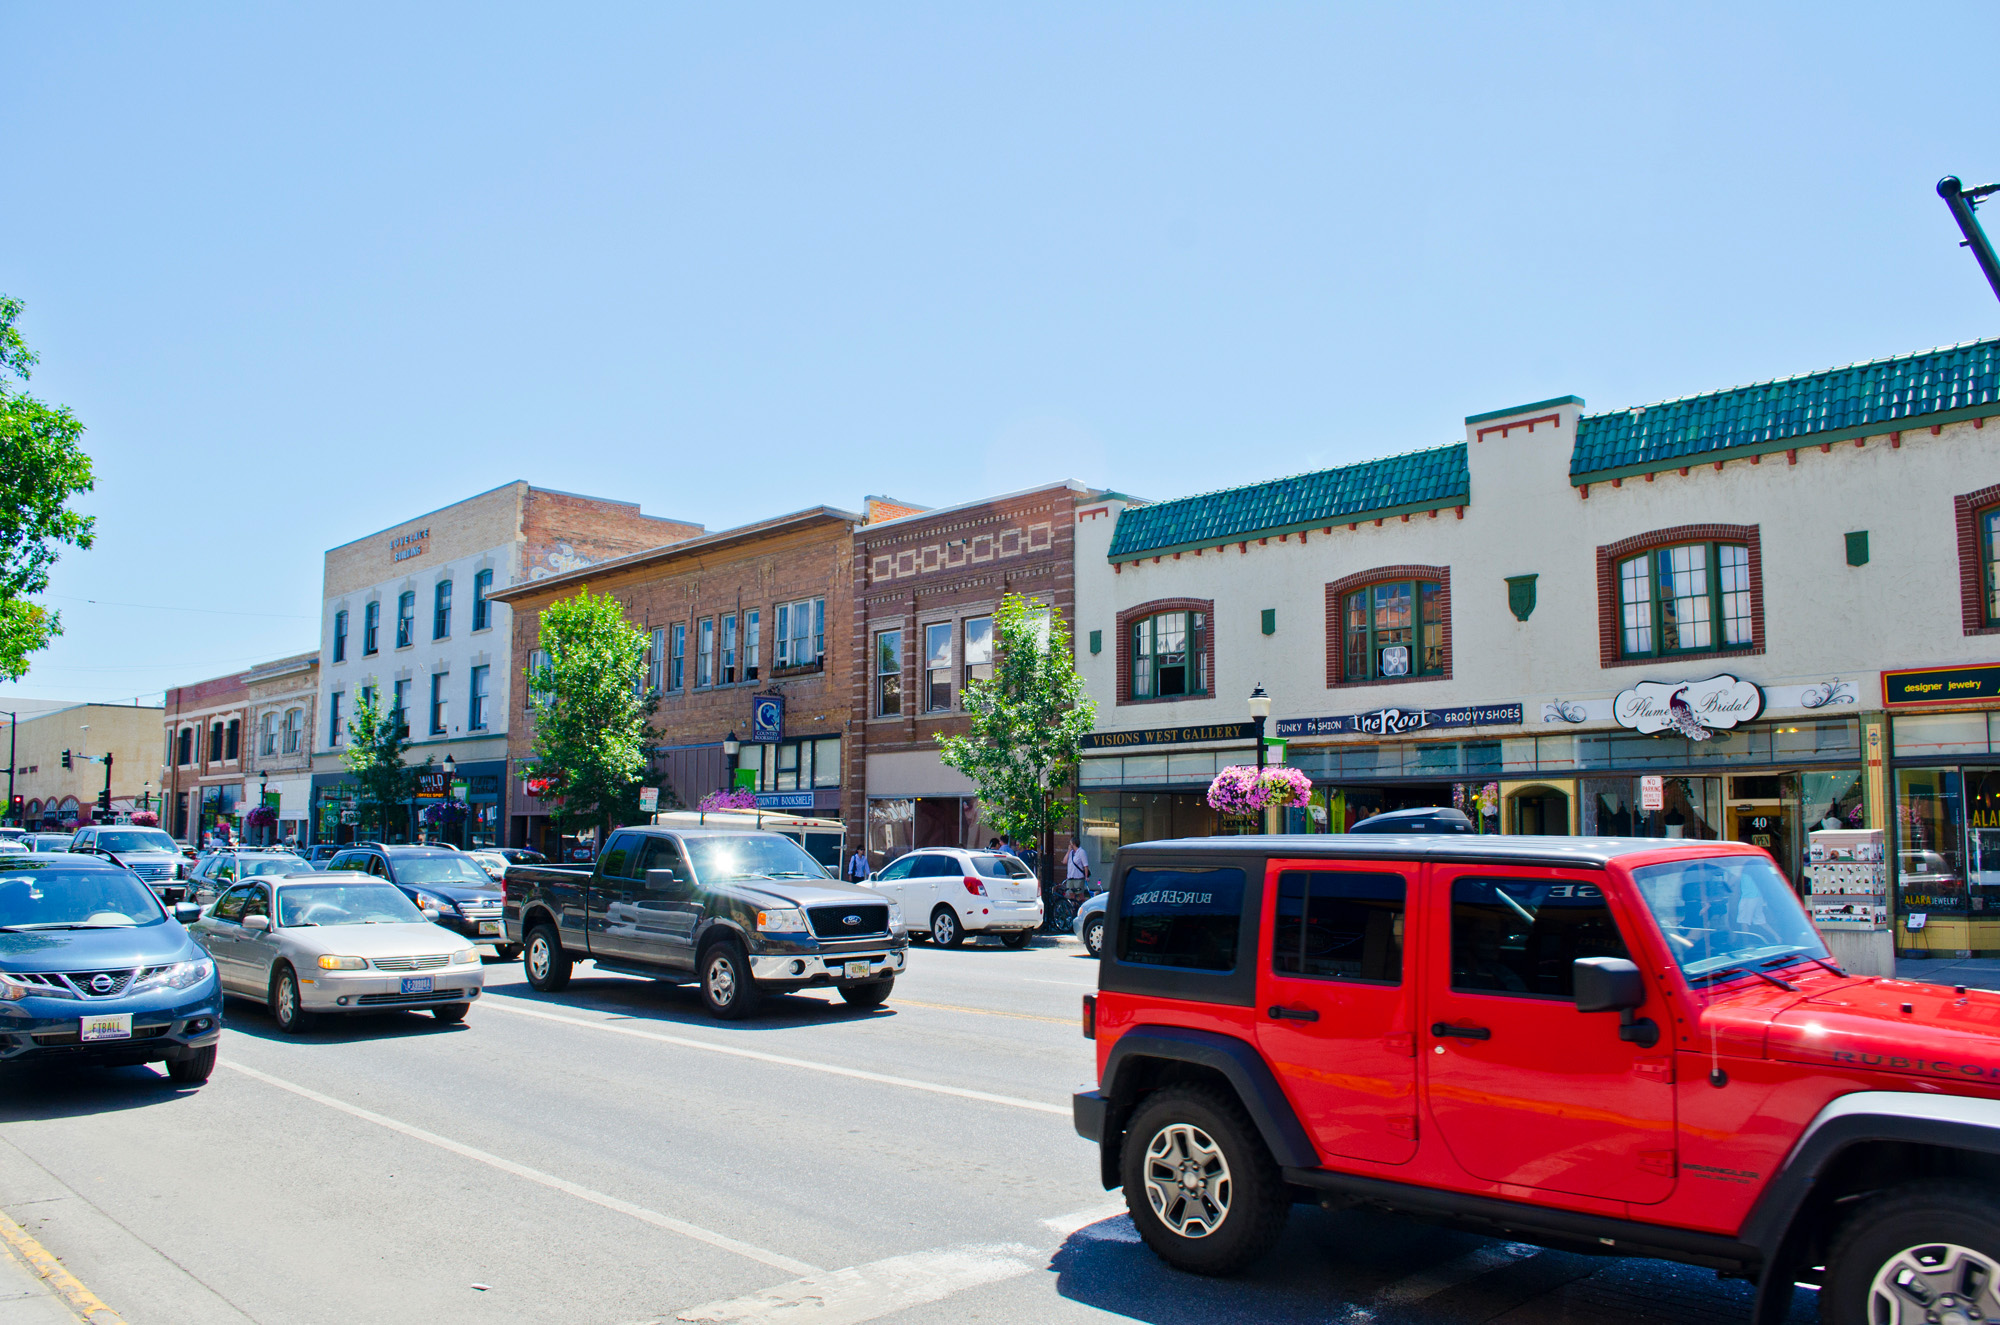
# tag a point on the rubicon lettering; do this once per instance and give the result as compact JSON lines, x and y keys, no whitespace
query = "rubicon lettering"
{"x":1897,"y":1063}
{"x":1169,"y":897}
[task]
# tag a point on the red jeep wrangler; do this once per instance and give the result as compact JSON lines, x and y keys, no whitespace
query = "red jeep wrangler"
{"x":1623,"y":1047}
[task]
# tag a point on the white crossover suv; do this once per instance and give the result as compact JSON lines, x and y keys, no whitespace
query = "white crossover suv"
{"x":948,"y":894}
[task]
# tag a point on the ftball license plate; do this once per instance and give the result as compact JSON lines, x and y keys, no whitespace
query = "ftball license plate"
{"x":111,"y":1026}
{"x":857,"y":970}
{"x":489,"y":927}
{"x":416,"y":984}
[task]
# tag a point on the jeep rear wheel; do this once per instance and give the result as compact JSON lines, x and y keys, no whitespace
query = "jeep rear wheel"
{"x":1916,"y":1255}
{"x":1201,"y":1187}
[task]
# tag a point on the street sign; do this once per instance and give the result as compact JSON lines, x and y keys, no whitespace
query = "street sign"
{"x":1652,"y":792}
{"x":649,"y":800}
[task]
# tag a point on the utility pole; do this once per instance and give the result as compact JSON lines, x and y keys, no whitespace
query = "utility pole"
{"x":1961,"y":201}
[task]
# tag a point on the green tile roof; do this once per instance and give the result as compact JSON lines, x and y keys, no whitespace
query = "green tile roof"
{"x":1421,"y":480}
{"x":1865,"y":398}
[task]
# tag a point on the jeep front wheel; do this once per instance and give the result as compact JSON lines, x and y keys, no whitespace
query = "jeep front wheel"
{"x":1915,"y":1255}
{"x":1203,"y":1191}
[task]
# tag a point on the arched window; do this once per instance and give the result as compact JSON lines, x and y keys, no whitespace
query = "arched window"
{"x":1388,"y":625}
{"x":184,"y":755}
{"x":267,"y":737}
{"x":1695,"y":589}
{"x":1166,"y":651}
{"x":235,"y":731}
{"x":215,"y":744}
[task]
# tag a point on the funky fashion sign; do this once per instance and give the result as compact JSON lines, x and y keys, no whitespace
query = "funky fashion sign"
{"x":1401,"y":721}
{"x":1694,"y":709}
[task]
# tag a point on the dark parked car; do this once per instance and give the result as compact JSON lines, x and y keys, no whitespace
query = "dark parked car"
{"x":438,"y":879}
{"x":92,"y":966}
{"x":1424,"y":819}
{"x":740,"y":913}
{"x":147,"y":852}
{"x":320,"y":853}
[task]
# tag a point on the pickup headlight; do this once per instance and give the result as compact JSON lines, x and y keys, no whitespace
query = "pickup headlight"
{"x":343,"y":963}
{"x":181,"y":975}
{"x":465,"y":957}
{"x":786,"y":920}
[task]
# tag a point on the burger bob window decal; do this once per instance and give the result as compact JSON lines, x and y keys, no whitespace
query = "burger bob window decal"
{"x":1694,"y":709}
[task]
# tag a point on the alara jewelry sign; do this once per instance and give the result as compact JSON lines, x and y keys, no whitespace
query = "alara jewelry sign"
{"x":1694,"y":709}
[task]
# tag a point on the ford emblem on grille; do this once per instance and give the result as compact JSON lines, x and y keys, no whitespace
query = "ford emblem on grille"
{"x":101,"y":984}
{"x":850,"y":920}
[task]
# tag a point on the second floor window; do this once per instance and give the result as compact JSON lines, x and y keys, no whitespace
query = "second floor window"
{"x":801,"y":633}
{"x":438,"y":702}
{"x":1686,"y":599}
{"x":1989,"y":559}
{"x":400,"y":714}
{"x":295,"y":724}
{"x":267,"y":738}
{"x":656,"y":655}
{"x":334,"y":731}
{"x":704,"y":653}
{"x":937,"y":667}
{"x":753,"y":640}
{"x":185,"y":754}
{"x":1168,"y":655}
{"x":1393,"y":630}
{"x":371,"y":627}
{"x":979,"y":649}
{"x":340,"y":636}
{"x":677,"y":658}
{"x":889,"y":673}
{"x":532,"y":691}
{"x":215,"y":743}
{"x":234,"y":748}
{"x":475,"y":700}
{"x":406,"y":620}
{"x":441,"y":611}
{"x":728,"y":674}
{"x":482,"y":611}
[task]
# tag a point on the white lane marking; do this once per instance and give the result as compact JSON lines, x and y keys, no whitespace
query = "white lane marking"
{"x":639,"y":1212}
{"x":865,"y":1292}
{"x":1065,"y":1225}
{"x":1431,"y":1282}
{"x":908,"y":1083}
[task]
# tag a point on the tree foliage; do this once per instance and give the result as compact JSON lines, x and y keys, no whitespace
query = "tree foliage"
{"x":41,"y":468}
{"x":1028,"y":722}
{"x":592,"y":723}
{"x":378,"y":744}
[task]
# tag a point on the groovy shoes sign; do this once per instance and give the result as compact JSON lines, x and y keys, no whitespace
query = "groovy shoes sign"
{"x":1694,"y":709}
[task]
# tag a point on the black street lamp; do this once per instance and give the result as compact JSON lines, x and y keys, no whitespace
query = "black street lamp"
{"x":730,"y":747}
{"x":450,"y":776}
{"x":263,"y":784}
{"x":1260,"y":710}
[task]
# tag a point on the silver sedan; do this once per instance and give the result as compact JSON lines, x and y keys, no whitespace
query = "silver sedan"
{"x":332,"y":942}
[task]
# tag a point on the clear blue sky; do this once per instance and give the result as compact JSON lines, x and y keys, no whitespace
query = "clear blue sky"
{"x":308,"y":270}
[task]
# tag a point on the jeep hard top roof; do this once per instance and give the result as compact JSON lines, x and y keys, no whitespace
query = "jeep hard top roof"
{"x":1488,"y":848}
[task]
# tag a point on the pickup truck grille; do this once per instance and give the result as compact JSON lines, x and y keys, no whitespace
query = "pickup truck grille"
{"x":152,"y":873}
{"x":831,"y":922}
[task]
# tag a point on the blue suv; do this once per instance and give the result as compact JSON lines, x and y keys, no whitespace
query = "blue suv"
{"x":93,"y":967}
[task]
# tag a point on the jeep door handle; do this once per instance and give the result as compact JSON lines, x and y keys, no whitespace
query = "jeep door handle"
{"x":1293,"y":1014}
{"x":1443,"y":1031}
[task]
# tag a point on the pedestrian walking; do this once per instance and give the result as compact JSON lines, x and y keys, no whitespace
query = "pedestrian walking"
{"x":857,"y":866}
{"x":1076,"y":865}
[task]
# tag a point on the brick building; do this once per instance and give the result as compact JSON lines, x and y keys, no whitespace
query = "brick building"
{"x":283,"y":699}
{"x":202,"y":769}
{"x":413,"y":615}
{"x":925,"y":587}
{"x":735,"y":620}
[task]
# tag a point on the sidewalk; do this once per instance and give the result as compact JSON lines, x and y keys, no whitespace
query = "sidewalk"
{"x":1972,"y":972}
{"x":25,"y":1297}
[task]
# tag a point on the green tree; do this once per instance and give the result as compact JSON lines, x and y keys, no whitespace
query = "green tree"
{"x":592,"y":719}
{"x":1028,"y":724}
{"x":41,"y":468}
{"x":378,"y":744}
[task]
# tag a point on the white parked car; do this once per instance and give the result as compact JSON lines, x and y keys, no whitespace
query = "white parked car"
{"x":947,"y":894}
{"x":492,"y":862}
{"x":1090,"y":923}
{"x":336,"y":941}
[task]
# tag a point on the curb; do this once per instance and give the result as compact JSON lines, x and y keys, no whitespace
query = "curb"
{"x":86,"y":1305}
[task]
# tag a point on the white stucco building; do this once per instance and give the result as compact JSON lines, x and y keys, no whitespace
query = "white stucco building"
{"x":1450,"y":622}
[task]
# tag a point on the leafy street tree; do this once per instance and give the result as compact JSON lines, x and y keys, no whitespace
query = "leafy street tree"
{"x":378,"y":744}
{"x":591,"y":717}
{"x":41,"y":468}
{"x":1028,"y":724}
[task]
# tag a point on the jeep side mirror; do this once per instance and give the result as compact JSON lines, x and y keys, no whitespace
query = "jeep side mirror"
{"x":1613,"y":984}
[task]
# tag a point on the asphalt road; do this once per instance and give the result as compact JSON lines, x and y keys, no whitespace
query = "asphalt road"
{"x":610,"y":1156}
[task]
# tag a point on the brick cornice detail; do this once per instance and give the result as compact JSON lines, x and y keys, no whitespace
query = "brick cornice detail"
{"x":1967,"y":509}
{"x":1610,"y":554}
{"x":1139,"y":612}
{"x":1336,"y":653}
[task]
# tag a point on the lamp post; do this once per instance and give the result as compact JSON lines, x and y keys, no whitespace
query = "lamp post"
{"x":1260,"y":710}
{"x":731,"y":747}
{"x":450,"y":776}
{"x":263,"y":791}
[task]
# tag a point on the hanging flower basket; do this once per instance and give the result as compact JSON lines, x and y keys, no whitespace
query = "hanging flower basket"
{"x":739,"y":799}
{"x":447,"y":814}
{"x":260,"y":816}
{"x":145,"y":819}
{"x":1243,"y":790}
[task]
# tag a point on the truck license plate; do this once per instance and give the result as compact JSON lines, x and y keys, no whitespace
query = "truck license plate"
{"x":416,"y":984}
{"x":111,"y":1026}
{"x":489,"y":927}
{"x":857,"y":970}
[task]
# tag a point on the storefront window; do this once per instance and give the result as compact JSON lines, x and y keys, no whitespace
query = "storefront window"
{"x":1692,"y":809}
{"x":1982,"y":839}
{"x":1930,"y":858}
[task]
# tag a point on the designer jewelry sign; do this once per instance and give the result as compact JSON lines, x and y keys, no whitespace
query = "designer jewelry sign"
{"x":1694,"y":709}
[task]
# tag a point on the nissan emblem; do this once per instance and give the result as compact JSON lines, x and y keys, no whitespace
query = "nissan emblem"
{"x":102,"y":984}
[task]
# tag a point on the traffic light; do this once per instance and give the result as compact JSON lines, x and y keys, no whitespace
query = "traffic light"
{"x":18,"y":809}
{"x":104,"y":802}
{"x":66,"y":760}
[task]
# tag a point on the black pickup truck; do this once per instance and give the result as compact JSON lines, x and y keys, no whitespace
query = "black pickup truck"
{"x":739,"y":913}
